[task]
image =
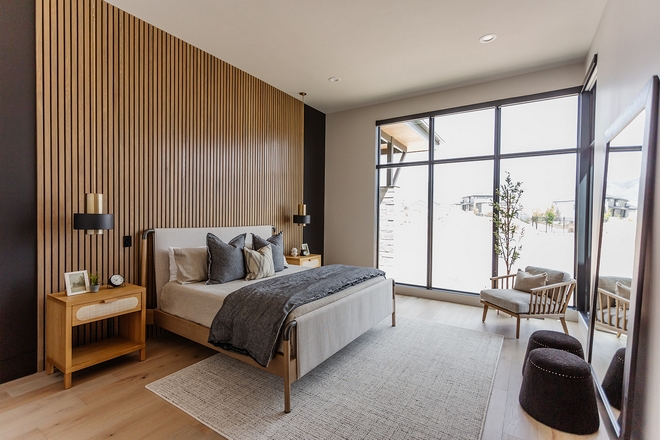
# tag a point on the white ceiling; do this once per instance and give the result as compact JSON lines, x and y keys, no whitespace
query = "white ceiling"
{"x":381,"y":49}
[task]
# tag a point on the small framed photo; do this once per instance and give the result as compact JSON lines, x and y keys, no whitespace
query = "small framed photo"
{"x":76,"y":282}
{"x":304,"y":249}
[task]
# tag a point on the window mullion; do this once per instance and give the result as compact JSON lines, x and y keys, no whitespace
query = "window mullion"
{"x":429,"y":243}
{"x":497,"y":147}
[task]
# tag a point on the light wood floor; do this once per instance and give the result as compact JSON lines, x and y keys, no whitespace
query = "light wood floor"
{"x":110,"y":399}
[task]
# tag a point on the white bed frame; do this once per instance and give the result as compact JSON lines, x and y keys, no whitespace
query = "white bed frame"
{"x":364,"y":308}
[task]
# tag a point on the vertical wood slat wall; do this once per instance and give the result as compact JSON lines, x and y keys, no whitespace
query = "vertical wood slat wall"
{"x":172,"y":136}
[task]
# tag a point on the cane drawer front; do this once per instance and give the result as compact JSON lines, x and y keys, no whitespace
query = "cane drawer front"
{"x":314,"y":262}
{"x":106,"y":308}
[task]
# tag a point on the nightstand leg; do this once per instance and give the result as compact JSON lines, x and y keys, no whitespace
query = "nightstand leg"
{"x":67,"y":381}
{"x":143,"y":354}
{"x":50,"y":368}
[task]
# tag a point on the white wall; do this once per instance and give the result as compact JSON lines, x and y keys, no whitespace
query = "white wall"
{"x":628,"y":46}
{"x":351,"y":154}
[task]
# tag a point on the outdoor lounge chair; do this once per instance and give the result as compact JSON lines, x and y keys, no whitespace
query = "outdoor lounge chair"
{"x":533,"y":293}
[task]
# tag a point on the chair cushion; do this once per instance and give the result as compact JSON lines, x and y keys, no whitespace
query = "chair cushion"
{"x":509,"y":299}
{"x":554,"y":276}
{"x":526,"y":281}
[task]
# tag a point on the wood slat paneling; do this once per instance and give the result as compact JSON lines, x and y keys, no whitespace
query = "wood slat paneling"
{"x":172,"y":136}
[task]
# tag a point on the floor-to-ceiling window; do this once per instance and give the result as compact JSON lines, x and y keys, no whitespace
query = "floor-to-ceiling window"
{"x":438,"y":175}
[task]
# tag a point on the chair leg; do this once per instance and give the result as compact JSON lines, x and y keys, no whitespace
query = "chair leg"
{"x":517,"y":327}
{"x":483,"y":318}
{"x":563,"y":324}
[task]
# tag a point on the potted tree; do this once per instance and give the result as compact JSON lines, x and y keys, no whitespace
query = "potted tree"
{"x":507,"y":232}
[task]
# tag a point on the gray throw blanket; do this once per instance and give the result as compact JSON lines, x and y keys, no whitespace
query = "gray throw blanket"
{"x":251,"y":318}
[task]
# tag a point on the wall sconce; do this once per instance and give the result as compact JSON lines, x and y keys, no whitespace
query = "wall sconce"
{"x":302,"y":218}
{"x":93,"y":221}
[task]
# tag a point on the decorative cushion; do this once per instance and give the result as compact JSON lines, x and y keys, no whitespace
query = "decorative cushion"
{"x":553,"y":276}
{"x":226,"y":261}
{"x":277,"y":243}
{"x":259,"y":263}
{"x":525,"y":282}
{"x":622,"y":290}
{"x":191,"y":264}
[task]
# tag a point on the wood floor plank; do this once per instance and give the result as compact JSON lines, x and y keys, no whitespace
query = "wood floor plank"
{"x":110,"y":399}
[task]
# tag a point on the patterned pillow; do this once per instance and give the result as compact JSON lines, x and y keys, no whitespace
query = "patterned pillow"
{"x":259,"y":263}
{"x":277,"y":242}
{"x":526,"y":282}
{"x":226,"y":261}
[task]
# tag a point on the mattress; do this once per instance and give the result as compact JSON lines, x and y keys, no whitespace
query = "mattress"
{"x":200,"y":303}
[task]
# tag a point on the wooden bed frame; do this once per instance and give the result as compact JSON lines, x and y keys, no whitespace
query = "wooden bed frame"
{"x":283,"y":364}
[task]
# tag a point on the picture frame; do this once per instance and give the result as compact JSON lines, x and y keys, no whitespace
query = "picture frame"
{"x":76,"y":282}
{"x":304,"y":249}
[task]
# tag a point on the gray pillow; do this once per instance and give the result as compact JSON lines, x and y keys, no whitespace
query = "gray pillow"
{"x":277,"y":246}
{"x":526,"y":282}
{"x":226,"y":261}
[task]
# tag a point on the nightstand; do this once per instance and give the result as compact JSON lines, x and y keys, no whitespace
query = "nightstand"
{"x":65,"y":312}
{"x":311,"y":260}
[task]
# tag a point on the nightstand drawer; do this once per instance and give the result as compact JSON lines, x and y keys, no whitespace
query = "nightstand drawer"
{"x":316,"y":262}
{"x":311,"y":260}
{"x":106,"y":308}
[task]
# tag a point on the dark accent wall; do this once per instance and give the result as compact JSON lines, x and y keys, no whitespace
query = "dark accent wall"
{"x":314,"y":193}
{"x":18,"y":215}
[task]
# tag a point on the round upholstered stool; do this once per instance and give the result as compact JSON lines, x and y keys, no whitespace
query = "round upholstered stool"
{"x":552,"y":339}
{"x":557,"y":390}
{"x":613,"y":381}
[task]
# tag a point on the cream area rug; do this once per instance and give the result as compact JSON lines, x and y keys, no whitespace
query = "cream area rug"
{"x":418,"y":380}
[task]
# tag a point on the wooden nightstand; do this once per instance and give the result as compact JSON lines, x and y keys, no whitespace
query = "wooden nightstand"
{"x":311,"y":260}
{"x":65,"y":312}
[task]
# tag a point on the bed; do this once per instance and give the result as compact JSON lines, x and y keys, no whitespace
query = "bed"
{"x":310,"y":335}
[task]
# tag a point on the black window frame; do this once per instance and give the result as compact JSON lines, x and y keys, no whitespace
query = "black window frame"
{"x":583,"y":152}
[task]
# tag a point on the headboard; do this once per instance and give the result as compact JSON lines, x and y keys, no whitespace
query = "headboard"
{"x":193,"y":237}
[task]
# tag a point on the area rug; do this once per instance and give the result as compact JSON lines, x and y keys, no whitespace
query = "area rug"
{"x":418,"y":380}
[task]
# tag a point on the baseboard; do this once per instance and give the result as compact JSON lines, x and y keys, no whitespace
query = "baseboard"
{"x":17,"y":367}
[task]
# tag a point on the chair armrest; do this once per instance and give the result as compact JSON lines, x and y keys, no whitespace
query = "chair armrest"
{"x":614,"y":296}
{"x":503,"y":276}
{"x":552,"y":286}
{"x":498,"y":282}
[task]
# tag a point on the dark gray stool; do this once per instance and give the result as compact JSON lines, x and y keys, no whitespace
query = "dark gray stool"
{"x":552,"y":339}
{"x":558,"y":391}
{"x":613,"y":381}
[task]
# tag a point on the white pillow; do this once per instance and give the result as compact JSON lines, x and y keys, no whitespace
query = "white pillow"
{"x":173,"y":269}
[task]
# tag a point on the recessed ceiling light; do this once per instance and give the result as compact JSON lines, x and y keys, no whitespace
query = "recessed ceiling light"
{"x":334,"y":79}
{"x":487,"y":38}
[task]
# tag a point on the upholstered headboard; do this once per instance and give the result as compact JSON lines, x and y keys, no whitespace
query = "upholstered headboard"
{"x":193,"y":237}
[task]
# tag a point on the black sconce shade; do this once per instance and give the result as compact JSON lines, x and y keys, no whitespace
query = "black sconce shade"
{"x":93,"y":221}
{"x":302,"y":219}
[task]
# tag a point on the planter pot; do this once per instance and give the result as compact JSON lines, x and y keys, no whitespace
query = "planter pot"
{"x":94,"y":287}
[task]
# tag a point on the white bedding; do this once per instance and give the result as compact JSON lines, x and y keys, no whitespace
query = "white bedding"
{"x":200,"y":303}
